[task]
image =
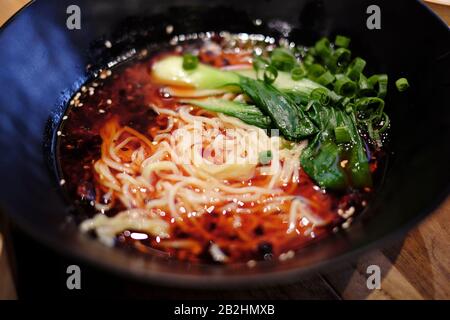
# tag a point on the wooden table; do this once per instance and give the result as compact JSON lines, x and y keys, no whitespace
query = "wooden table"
{"x":418,"y":267}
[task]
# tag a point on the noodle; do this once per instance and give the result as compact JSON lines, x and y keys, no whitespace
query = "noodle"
{"x":175,"y":174}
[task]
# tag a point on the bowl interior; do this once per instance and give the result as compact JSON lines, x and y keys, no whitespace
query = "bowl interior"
{"x":43,"y":62}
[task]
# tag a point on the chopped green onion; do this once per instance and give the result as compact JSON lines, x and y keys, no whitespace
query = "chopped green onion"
{"x":297,"y":73}
{"x":259,"y":63}
{"x":345,"y":87}
{"x":342,"y":135}
{"x":321,"y":95}
{"x":309,"y":105}
{"x":349,"y":108}
{"x":316,"y":70}
{"x":384,"y":123}
{"x":190,"y":61}
{"x":373,"y":134}
{"x":364,"y":86}
{"x":402,"y":84}
{"x":309,"y":59}
{"x":380,"y":81}
{"x":356,"y":68}
{"x":270,"y":74}
{"x":282,"y":59}
{"x":265,"y":157}
{"x":342,"y":41}
{"x":370,"y":107}
{"x":323,"y":48}
{"x":326,"y":78}
{"x":345,"y":101}
{"x":341,"y":58}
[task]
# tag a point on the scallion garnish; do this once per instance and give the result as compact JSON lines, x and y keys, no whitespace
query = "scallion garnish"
{"x":345,"y":87}
{"x":326,"y":78}
{"x":370,"y":107}
{"x":356,"y":68}
{"x":342,"y":41}
{"x":282,"y":59}
{"x":298,"y":73}
{"x":259,"y":63}
{"x":340,"y":58}
{"x":265,"y":157}
{"x":190,"y":61}
{"x":316,"y":70}
{"x":270,"y":74}
{"x":380,"y":81}
{"x":384,"y":123}
{"x":309,"y":59}
{"x":323,"y":48}
{"x":402,"y":84}
{"x":321,"y":95}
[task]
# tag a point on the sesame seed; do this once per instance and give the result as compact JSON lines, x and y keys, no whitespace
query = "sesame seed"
{"x":169,"y":29}
{"x":108,"y":44}
{"x":251,"y":263}
{"x":347,"y":223}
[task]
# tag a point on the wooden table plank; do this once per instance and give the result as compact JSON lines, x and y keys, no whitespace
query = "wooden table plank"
{"x":418,"y":267}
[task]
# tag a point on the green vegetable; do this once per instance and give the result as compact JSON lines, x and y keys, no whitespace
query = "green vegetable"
{"x":321,"y":95}
{"x":379,"y":82}
{"x":283,"y":59}
{"x":356,"y":68}
{"x":170,"y":71}
{"x":339,"y":59}
{"x":402,"y":84}
{"x":298,"y":73}
{"x":289,"y":119}
{"x":326,"y":78}
{"x":323,"y":48}
{"x":345,"y":87}
{"x":342,"y":41}
{"x":316,"y":70}
{"x":322,"y":159}
{"x":247,"y":113}
{"x":189,"y":61}
{"x":270,"y":74}
{"x":265,"y":157}
{"x":342,"y":135}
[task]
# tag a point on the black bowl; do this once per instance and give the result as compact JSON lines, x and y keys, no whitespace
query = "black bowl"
{"x":42,"y":62}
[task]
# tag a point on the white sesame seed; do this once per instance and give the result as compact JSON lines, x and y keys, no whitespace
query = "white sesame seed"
{"x":169,"y":29}
{"x":251,"y":263}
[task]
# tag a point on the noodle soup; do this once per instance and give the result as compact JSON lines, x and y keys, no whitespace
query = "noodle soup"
{"x":217,"y":150}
